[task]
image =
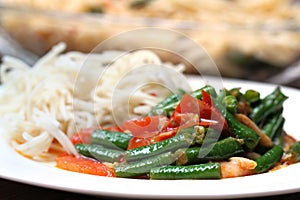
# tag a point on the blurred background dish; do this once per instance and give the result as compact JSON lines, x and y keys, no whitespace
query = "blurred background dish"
{"x":246,"y":39}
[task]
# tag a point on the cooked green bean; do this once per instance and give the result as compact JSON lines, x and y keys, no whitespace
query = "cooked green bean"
{"x":200,"y":171}
{"x":143,"y":166}
{"x":294,"y":151}
{"x":208,"y":88}
{"x":172,"y":144}
{"x":250,"y":137}
{"x":252,"y":96}
{"x":270,"y":104}
{"x":221,"y":150}
{"x":236,"y":92}
{"x":111,"y":139}
{"x":278,"y":138}
{"x":167,"y":106}
{"x":269,"y":159}
{"x":231,"y":103}
{"x":272,"y":125}
{"x":99,"y":152}
{"x":198,"y":133}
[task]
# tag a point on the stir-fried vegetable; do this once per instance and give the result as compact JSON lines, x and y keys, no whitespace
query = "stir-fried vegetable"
{"x":200,"y":135}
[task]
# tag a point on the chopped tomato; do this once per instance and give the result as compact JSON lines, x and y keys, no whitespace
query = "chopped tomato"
{"x":83,"y":165}
{"x":206,"y":98}
{"x":136,"y":142}
{"x":205,"y":110}
{"x":164,"y":135}
{"x":182,"y":119}
{"x":145,"y":127}
{"x":188,"y":104}
{"x":77,"y":139}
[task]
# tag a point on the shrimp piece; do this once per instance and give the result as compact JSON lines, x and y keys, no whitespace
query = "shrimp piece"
{"x":237,"y":166}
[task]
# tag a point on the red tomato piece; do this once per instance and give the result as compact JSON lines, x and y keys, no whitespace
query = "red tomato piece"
{"x":83,"y":165}
{"x":136,"y":142}
{"x":78,"y":139}
{"x":206,"y":98}
{"x":145,"y":127}
{"x":164,"y":135}
{"x":183,"y":119}
{"x":205,"y":110}
{"x":188,"y":104}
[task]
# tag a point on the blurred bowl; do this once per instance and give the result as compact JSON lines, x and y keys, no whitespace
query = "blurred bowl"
{"x":253,"y":50}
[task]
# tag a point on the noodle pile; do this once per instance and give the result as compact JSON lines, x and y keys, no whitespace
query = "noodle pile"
{"x":42,"y":106}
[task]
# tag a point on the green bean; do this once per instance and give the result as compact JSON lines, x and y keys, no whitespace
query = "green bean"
{"x":197,"y":132}
{"x":269,"y":159}
{"x":252,"y":96}
{"x":166,"y":106}
{"x":250,"y":137}
{"x":272,"y":125}
{"x":111,"y":139}
{"x":183,"y":140}
{"x":278,"y":138}
{"x":143,"y":166}
{"x":220,"y":150}
{"x":270,"y":104}
{"x":99,"y":152}
{"x":294,"y":151}
{"x":208,"y":88}
{"x":200,"y":171}
{"x":231,"y":103}
{"x":236,"y":92}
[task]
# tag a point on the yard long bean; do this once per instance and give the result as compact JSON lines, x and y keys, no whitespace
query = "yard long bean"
{"x":200,"y":171}
{"x":270,"y":104}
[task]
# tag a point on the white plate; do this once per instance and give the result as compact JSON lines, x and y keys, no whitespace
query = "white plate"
{"x":17,"y":168}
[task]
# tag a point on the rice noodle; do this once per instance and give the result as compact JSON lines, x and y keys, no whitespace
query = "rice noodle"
{"x":41,"y":105}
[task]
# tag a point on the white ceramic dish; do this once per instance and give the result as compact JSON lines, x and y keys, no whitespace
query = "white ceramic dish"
{"x":17,"y":168}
